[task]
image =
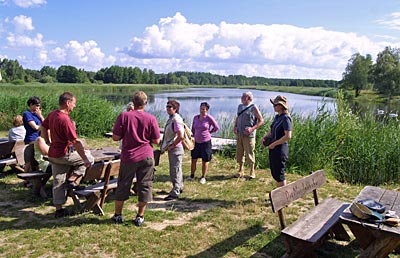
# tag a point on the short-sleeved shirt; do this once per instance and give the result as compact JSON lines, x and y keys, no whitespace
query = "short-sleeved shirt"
{"x":281,"y":124}
{"x":137,"y":129}
{"x":202,"y":129}
{"x":62,"y":132}
{"x":31,"y":134}
{"x":246,"y":118}
{"x":16,"y":133}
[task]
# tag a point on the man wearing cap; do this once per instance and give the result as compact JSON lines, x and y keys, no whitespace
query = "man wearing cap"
{"x":281,"y":133}
{"x":248,"y":119}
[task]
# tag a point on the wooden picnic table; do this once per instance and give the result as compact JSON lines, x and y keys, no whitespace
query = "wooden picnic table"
{"x":375,"y":241}
{"x":105,"y":153}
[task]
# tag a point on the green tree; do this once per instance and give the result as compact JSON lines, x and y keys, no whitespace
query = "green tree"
{"x":356,"y":74}
{"x":50,"y":71}
{"x":68,"y":74}
{"x":11,"y":70}
{"x":386,"y":72}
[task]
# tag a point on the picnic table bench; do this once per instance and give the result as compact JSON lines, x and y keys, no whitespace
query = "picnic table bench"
{"x":96,"y":194}
{"x":12,"y":154}
{"x":309,"y":231}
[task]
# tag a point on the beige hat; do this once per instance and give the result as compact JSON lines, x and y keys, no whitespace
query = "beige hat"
{"x":280,"y":100}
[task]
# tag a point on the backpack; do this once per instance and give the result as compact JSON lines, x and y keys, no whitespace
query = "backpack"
{"x":188,"y":139}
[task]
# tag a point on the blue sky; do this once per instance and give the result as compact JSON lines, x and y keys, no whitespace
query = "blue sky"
{"x":269,"y":38}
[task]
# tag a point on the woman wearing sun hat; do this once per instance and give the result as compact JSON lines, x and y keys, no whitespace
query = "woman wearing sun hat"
{"x":281,"y":132}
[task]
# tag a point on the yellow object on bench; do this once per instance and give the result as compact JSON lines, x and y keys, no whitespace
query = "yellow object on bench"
{"x":309,"y":231}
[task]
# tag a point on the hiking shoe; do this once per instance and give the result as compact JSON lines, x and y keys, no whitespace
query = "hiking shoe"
{"x":138,"y":221}
{"x":117,"y":219}
{"x":189,"y":178}
{"x":62,"y":213}
{"x":170,"y":198}
{"x":252,"y":175}
{"x":203,"y":180}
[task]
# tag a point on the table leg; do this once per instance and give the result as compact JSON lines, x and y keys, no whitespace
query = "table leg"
{"x":38,"y":185}
{"x":381,"y":247}
{"x":363,"y":235}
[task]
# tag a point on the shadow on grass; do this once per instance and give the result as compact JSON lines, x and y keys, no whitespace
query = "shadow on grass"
{"x":222,"y":248}
{"x":330,"y":249}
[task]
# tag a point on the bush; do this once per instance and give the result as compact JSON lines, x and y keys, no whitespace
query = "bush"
{"x":18,"y":82}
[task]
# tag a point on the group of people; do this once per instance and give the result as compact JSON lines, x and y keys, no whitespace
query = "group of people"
{"x":137,"y":132}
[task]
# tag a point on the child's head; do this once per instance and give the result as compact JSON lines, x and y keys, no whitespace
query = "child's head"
{"x":17,"y":120}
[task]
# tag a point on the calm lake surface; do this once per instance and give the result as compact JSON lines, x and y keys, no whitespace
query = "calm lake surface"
{"x":224,"y":102}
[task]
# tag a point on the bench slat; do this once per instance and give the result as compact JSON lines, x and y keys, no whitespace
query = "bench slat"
{"x":96,"y":188}
{"x":317,"y":222}
{"x":8,"y":161}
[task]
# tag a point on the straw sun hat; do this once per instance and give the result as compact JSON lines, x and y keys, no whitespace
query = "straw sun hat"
{"x":280,"y":100}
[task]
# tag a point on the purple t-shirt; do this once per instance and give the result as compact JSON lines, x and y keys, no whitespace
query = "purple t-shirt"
{"x":137,"y":129}
{"x":177,"y":127}
{"x":202,"y":129}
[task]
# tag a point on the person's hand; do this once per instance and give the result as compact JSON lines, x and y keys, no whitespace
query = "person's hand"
{"x":87,"y":163}
{"x":248,"y":130}
{"x":272,"y":146}
{"x":170,"y":147}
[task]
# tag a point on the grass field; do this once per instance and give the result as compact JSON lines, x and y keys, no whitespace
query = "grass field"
{"x":226,"y":217}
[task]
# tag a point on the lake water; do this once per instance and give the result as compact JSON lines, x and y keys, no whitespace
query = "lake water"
{"x":224,"y":102}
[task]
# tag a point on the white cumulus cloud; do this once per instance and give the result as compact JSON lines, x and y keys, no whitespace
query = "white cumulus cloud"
{"x":275,"y":50}
{"x":29,"y":3}
{"x":86,"y":55}
{"x":17,"y":40}
{"x":22,"y":23}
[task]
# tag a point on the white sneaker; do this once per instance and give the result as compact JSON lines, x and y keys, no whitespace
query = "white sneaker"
{"x":203,"y":180}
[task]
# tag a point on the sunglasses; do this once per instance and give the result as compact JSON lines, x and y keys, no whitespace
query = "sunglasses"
{"x":169,"y":106}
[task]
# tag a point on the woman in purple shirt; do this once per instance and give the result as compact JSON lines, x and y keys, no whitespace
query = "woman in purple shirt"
{"x":202,"y":127}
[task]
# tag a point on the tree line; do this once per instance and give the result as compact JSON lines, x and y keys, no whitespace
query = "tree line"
{"x":12,"y":72}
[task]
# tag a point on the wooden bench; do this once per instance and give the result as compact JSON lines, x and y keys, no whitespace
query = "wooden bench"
{"x":96,"y":194}
{"x":6,"y":151}
{"x":311,"y":230}
{"x":38,"y":179}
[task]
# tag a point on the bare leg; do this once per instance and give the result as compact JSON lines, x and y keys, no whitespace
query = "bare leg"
{"x":282,"y":183}
{"x":193,"y":167}
{"x":118,"y":207}
{"x":204,"y":169}
{"x":141,"y":208}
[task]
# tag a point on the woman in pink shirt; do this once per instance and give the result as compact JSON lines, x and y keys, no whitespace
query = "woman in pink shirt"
{"x":202,"y":127}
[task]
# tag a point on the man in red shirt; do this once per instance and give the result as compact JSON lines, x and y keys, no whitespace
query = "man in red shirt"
{"x":66,"y":152}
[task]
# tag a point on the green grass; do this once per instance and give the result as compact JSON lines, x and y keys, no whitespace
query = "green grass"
{"x":226,"y":217}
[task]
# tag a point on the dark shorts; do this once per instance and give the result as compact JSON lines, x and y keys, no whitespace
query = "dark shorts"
{"x":277,"y":161}
{"x":144,"y":172}
{"x":203,"y":151}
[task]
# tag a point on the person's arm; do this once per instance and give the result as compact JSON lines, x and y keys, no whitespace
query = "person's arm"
{"x":116,"y":137}
{"x":215,"y":126}
{"x":33,"y":125}
{"x":235,"y":131}
{"x":282,"y":140}
{"x":78,"y":145}
{"x":156,"y":141}
{"x":260,"y":121}
{"x":179,"y":137}
{"x":44,"y":133}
